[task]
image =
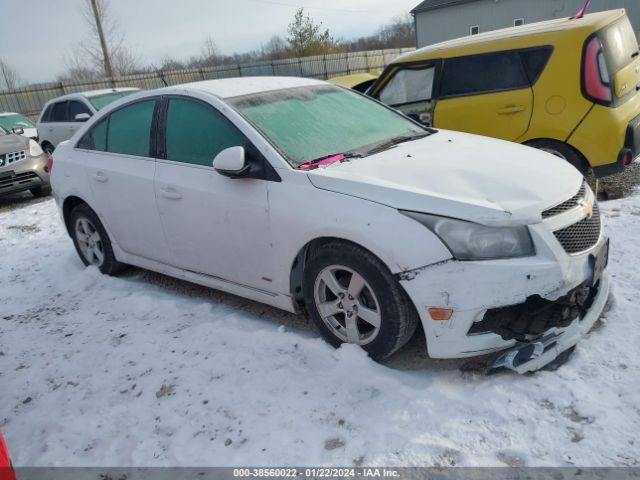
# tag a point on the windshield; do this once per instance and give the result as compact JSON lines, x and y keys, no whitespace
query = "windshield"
{"x":309,"y":123}
{"x":14,"y":121}
{"x":101,"y":101}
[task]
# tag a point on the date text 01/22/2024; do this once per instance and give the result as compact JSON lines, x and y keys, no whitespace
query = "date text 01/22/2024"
{"x":316,"y":472}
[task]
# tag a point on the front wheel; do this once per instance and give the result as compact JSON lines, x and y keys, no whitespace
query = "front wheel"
{"x":91,"y":240}
{"x":352,"y":297}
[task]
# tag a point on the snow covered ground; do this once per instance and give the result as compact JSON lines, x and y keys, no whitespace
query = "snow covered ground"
{"x":145,"y":370}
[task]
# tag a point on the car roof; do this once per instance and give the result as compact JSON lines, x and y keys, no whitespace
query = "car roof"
{"x":6,"y":114}
{"x":494,"y":39}
{"x":236,"y":87}
{"x":92,"y":93}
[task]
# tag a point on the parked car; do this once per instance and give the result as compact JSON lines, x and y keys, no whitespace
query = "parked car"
{"x":17,"y":123}
{"x":569,"y":87}
{"x":23,"y":165}
{"x":304,"y":195}
{"x":62,"y":116}
{"x":360,"y":82}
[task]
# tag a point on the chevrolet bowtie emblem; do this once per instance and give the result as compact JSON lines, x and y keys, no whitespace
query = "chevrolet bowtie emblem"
{"x":587,"y":208}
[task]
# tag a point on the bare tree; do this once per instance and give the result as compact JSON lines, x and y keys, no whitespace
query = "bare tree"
{"x":9,"y":78}
{"x":275,"y":48}
{"x":105,"y":51}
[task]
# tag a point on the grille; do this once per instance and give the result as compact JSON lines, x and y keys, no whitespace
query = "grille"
{"x":581,"y":236}
{"x":9,"y":158}
{"x":11,"y":180}
{"x":568,"y":205}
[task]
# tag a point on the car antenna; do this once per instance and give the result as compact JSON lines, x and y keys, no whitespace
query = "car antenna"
{"x":582,"y":11}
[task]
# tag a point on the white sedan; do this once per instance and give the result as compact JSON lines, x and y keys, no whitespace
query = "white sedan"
{"x":303,"y":195}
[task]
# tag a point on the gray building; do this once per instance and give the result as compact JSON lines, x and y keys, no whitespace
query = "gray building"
{"x":440,"y":20}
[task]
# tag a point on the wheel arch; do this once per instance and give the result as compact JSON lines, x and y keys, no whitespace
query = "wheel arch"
{"x":296,"y":274}
{"x":68,"y":205}
{"x":585,"y":165}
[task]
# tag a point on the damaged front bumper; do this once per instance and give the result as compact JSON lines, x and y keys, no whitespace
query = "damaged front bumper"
{"x":553,"y":299}
{"x":533,"y":355}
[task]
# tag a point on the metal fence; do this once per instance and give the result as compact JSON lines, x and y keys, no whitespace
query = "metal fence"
{"x":30,"y":100}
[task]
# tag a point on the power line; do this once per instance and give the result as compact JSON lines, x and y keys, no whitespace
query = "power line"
{"x":330,"y":9}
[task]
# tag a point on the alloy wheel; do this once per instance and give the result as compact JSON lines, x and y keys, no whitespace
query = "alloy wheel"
{"x":89,"y":241}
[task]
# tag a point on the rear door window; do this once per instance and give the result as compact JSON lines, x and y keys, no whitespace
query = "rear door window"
{"x":409,"y":85}
{"x":477,"y":74}
{"x":59,"y":112}
{"x":129,"y":130}
{"x":196,"y":133}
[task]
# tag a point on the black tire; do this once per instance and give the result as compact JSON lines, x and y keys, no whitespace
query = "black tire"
{"x":398,"y":316}
{"x":43,"y":191}
{"x":564,"y":151}
{"x":109,"y":265}
{"x":48,"y":148}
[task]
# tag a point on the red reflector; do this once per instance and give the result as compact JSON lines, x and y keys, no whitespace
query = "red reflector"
{"x":626,"y":159}
{"x":49,"y":165}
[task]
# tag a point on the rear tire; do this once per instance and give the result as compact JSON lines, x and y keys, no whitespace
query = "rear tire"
{"x":91,"y":240}
{"x":563,"y":151}
{"x":43,"y":191}
{"x":360,"y":300}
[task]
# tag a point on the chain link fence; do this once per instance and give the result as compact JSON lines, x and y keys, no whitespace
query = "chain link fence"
{"x":30,"y":100}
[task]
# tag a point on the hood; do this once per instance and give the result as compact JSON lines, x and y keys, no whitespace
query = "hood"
{"x":13,"y":143}
{"x":30,"y":132}
{"x":457,"y":175}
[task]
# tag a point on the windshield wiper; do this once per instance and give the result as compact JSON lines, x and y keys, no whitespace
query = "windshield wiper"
{"x":328,"y":160}
{"x":381,"y":147}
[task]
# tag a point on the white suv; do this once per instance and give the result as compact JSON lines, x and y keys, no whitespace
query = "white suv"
{"x":304,"y":195}
{"x":62,"y":116}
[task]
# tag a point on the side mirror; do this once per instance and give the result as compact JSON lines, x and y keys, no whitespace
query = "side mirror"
{"x":232,"y":163}
{"x":18,"y":130}
{"x":82,"y":117}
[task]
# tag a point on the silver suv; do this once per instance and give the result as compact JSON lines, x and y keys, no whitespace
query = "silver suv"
{"x":62,"y":116}
{"x":23,"y":165}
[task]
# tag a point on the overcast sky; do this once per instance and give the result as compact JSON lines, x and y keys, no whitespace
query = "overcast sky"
{"x":38,"y":34}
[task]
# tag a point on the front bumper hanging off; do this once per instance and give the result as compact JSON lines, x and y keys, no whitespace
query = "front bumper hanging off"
{"x":531,"y":356}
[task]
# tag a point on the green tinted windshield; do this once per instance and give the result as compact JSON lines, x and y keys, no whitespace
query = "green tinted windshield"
{"x":102,"y":101}
{"x":15,"y":121}
{"x":308,"y":123}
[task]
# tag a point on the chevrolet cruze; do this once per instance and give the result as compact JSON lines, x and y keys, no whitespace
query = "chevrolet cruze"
{"x":307,"y":196}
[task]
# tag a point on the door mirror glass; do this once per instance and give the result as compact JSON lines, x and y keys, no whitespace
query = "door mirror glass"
{"x":18,"y":130}
{"x":82,"y":117}
{"x":231,"y":162}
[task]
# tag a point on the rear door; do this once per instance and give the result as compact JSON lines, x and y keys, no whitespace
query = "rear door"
{"x":120,"y":166}
{"x":488,"y":94}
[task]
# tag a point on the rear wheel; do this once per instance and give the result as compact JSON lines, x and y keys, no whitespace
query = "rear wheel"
{"x":91,"y":240}
{"x":352,"y":297}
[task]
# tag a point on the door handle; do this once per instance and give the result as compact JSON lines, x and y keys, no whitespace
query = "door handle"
{"x":171,"y":194}
{"x":100,"y":177}
{"x":511,"y":109}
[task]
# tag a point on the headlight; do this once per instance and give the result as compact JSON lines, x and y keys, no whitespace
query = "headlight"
{"x":34,"y":149}
{"x":470,"y":241}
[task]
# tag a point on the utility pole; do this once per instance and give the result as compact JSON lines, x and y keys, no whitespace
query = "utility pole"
{"x":108,"y":68}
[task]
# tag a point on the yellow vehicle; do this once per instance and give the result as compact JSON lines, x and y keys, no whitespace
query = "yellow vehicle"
{"x":571,"y":87}
{"x":357,"y":81}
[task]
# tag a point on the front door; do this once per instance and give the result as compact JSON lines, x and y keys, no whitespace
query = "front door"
{"x":214,"y":225}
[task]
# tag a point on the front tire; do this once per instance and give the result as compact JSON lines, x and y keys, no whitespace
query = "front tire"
{"x":91,"y":240}
{"x":352,"y":297}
